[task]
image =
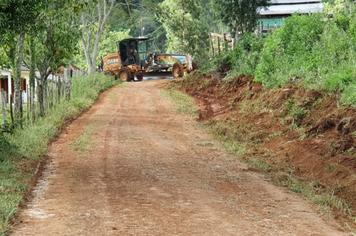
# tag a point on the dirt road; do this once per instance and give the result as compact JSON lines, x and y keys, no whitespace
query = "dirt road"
{"x":132,"y":166}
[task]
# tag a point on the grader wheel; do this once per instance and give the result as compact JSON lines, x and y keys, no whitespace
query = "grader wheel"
{"x":124,"y":75}
{"x":177,"y":71}
{"x":139,"y":76}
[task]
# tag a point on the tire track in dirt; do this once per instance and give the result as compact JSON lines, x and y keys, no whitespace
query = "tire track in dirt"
{"x":151,"y":171}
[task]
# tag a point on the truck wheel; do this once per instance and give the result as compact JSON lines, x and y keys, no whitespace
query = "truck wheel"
{"x":177,"y":71}
{"x":131,"y":77}
{"x":139,"y":76}
{"x":124,"y":75}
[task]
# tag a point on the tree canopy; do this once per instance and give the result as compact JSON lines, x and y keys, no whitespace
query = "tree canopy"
{"x":240,"y":15}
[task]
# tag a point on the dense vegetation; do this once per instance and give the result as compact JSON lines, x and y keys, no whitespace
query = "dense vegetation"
{"x":320,"y":54}
{"x":315,"y":51}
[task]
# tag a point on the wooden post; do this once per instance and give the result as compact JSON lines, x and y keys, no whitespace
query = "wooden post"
{"x":212,"y":44}
{"x":21,"y":107}
{"x":67,"y":81}
{"x":59,"y":87}
{"x":12,"y":110}
{"x":9,"y":87}
{"x":28,"y":111}
{"x":219,"y":50}
{"x":3,"y":109}
{"x":34,"y":107}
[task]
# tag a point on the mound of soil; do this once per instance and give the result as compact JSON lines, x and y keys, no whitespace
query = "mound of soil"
{"x":294,"y":130}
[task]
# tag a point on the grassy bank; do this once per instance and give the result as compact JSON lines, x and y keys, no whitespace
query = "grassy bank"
{"x":21,"y":150}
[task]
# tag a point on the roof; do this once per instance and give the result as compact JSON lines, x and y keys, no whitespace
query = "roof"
{"x":289,"y":9}
{"x":24,"y":68}
{"x":273,"y":2}
{"x":135,"y":39}
{"x":170,"y":54}
{"x":6,"y":70}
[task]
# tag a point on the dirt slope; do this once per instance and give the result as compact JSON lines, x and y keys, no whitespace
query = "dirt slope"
{"x":295,"y":131}
{"x":132,"y":166}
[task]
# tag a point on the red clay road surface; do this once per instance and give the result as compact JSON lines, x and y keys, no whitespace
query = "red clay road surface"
{"x":132,"y":165}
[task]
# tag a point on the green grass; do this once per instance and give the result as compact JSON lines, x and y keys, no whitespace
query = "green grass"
{"x":326,"y":200}
{"x":22,"y":149}
{"x":183,"y":103}
{"x":227,"y":137}
{"x":253,"y":106}
{"x":295,"y":112}
{"x":81,"y":144}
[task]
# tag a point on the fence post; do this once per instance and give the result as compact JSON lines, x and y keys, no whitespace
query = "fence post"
{"x":3,"y":109}
{"x":12,"y":110}
{"x":59,"y":87}
{"x":219,"y":49}
{"x":28,"y":111}
{"x":67,"y":81}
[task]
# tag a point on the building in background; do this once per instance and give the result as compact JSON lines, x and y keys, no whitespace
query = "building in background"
{"x":7,"y":82}
{"x":273,"y":16}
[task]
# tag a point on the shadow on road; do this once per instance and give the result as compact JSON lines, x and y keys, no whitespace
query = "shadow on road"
{"x":158,"y":76}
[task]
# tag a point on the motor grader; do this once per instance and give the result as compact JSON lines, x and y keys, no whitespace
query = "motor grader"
{"x":184,"y":64}
{"x":178,"y":64}
{"x":128,"y":63}
{"x":132,"y":61}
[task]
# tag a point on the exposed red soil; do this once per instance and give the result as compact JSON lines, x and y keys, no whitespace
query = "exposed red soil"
{"x":148,"y":170}
{"x":321,"y":147}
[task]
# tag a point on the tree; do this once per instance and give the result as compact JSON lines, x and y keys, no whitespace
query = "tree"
{"x":93,"y":22}
{"x":186,"y":32}
{"x":16,"y":17}
{"x":51,"y":43}
{"x":139,"y":17}
{"x":109,"y":41}
{"x":240,"y":15}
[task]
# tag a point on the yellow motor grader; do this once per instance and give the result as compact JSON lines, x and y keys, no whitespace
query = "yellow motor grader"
{"x":132,"y":61}
{"x":165,"y":62}
{"x":128,"y":63}
{"x":184,"y":64}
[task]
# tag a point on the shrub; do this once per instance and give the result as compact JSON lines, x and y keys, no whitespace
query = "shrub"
{"x":219,"y":63}
{"x":243,"y":59}
{"x":318,"y":52}
{"x":245,"y":56}
{"x":348,"y":96}
{"x":288,"y":52}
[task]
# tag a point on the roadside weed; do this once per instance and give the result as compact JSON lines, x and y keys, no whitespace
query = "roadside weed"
{"x":183,"y":102}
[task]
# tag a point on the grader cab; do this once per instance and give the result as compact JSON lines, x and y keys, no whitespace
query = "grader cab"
{"x":128,"y":62}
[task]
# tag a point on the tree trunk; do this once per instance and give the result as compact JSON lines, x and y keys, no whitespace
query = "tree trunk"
{"x":68,"y":86}
{"x":91,"y":40}
{"x":59,"y":88}
{"x":32,"y":80}
{"x":3,"y":97}
{"x":40,"y":97}
{"x":45,"y":93}
{"x":42,"y":92}
{"x":17,"y":79}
